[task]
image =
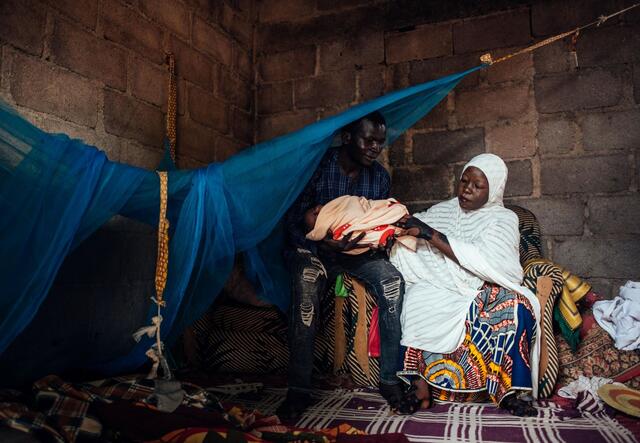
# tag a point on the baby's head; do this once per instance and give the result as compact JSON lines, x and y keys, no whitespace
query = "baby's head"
{"x":310,"y":217}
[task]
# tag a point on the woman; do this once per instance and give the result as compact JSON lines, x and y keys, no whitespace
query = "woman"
{"x":469,"y":325}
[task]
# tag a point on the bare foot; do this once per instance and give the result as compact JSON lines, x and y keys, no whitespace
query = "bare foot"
{"x":423,"y":392}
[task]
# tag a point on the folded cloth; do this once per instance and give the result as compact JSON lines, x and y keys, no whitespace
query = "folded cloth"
{"x":583,"y":384}
{"x":620,"y":317}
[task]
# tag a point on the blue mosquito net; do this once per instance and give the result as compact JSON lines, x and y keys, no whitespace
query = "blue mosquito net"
{"x":55,"y":191}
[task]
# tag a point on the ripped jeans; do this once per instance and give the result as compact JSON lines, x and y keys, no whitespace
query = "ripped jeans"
{"x":311,"y":277}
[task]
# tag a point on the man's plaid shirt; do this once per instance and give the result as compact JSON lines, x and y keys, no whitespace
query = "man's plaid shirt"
{"x":327,"y":183}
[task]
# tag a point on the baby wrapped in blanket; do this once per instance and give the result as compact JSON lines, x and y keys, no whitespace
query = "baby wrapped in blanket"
{"x":357,"y":215}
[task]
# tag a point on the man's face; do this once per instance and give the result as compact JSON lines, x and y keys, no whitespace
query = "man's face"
{"x":366,"y":144}
{"x":473,"y":189}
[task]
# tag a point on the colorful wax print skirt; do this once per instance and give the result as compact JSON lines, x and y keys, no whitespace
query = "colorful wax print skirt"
{"x":493,"y":359}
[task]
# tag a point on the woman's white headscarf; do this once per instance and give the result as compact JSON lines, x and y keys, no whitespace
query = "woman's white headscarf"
{"x":439,"y":291}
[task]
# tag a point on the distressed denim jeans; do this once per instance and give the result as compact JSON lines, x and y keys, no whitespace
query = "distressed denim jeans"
{"x":312,"y":276}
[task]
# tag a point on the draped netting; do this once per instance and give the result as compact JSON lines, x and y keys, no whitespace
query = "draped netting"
{"x":55,"y":192}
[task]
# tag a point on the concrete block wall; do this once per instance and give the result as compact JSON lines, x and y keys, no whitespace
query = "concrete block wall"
{"x":570,"y":136}
{"x":250,"y":70}
{"x":95,"y":70}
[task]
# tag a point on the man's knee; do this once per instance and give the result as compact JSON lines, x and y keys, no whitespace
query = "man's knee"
{"x":391,"y":290}
{"x":311,"y":280}
{"x":310,"y":269}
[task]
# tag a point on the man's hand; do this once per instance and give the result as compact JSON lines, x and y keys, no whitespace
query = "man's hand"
{"x":415,"y":227}
{"x":345,"y":244}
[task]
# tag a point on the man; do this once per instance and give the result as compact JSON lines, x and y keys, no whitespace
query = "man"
{"x":350,"y":169}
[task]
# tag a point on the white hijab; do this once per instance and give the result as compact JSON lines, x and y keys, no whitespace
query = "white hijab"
{"x":439,"y":291}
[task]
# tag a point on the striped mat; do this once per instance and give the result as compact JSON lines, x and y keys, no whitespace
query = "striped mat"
{"x":457,"y":422}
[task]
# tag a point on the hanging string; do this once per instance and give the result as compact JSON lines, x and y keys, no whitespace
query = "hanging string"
{"x":172,"y":106}
{"x":488,"y":59}
{"x":156,"y":351}
{"x":162,"y":260}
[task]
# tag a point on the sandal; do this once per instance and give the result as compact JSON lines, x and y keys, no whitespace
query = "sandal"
{"x":518,"y":406}
{"x":423,"y":393}
{"x":401,"y":398}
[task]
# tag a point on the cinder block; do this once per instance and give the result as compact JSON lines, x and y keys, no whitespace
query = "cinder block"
{"x":225,"y":148}
{"x":557,"y":216}
{"x":371,"y":83}
{"x":399,"y":76}
{"x":431,"y":69}
{"x":561,"y":16}
{"x":212,"y":41}
{"x":417,"y":184}
{"x":555,"y":57}
{"x":235,"y":90}
{"x":243,"y":126}
{"x":520,"y":180}
{"x":127,"y":27}
{"x":427,"y":41}
{"x":585,"y":174}
{"x":599,"y":257}
{"x":445,"y":147}
{"x":609,"y":45}
{"x":582,"y":90}
{"x":242,"y":62}
{"x":87,"y":55}
{"x":83,"y":11}
{"x":191,"y":64}
{"x":329,"y":5}
{"x":174,"y":15}
{"x":327,"y":90}
{"x":611,"y":130}
{"x":141,"y":156}
{"x":438,"y":117}
{"x":278,"y":11}
{"x":512,"y":140}
{"x":296,"y":63}
{"x":396,"y":153}
{"x":196,"y":140}
{"x":237,"y":25}
{"x":22,"y":24}
{"x":285,"y":36}
{"x":366,"y":48}
{"x":556,"y":135}
{"x":148,"y":81}
{"x":615,"y":214}
{"x":636,"y":82}
{"x":496,"y":31}
{"x":206,"y":109}
{"x":275,"y":97}
{"x":132,"y":118}
{"x":47,"y":88}
{"x":280,"y":124}
{"x":516,"y":69}
{"x":484,"y":105}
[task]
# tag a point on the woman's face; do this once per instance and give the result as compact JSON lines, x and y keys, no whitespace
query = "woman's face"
{"x":473,"y":189}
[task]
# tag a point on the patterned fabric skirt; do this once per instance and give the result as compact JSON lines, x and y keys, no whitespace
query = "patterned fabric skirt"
{"x":493,"y":359}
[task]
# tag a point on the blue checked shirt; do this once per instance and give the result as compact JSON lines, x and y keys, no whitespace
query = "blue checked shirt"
{"x":327,"y":183}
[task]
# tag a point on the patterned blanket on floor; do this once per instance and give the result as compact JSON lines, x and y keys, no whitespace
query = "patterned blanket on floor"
{"x":589,"y":421}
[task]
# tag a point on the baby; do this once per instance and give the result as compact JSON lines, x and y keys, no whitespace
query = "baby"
{"x":351,"y":214}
